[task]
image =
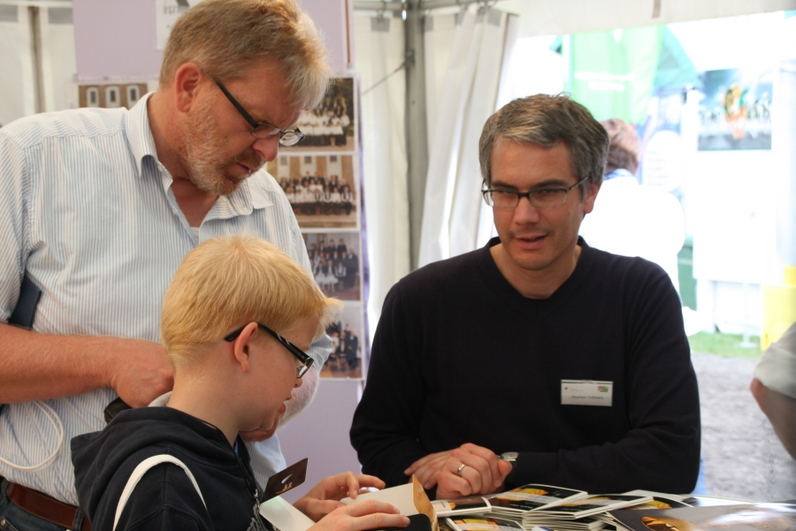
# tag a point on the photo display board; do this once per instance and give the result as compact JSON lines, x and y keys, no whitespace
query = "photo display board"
{"x":321,"y":178}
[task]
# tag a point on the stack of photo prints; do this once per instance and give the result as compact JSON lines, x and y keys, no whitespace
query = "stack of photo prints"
{"x":320,"y":177}
{"x":548,"y":508}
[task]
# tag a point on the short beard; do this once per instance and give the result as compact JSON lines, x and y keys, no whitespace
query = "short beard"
{"x":203,"y":146}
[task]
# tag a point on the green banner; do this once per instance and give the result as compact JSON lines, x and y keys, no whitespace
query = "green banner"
{"x":613,"y":71}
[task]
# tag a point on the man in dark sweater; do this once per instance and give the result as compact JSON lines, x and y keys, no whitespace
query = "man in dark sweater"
{"x":536,"y":358}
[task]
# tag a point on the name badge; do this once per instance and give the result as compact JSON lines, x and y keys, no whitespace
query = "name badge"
{"x":586,"y":393}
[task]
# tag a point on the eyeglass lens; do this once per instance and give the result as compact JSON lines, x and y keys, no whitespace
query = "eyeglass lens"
{"x":539,"y":198}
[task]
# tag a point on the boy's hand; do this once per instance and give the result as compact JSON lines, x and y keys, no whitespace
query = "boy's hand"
{"x":371,"y":514}
{"x":324,"y":498}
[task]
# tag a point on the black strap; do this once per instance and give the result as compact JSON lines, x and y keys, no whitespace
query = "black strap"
{"x":25,"y":311}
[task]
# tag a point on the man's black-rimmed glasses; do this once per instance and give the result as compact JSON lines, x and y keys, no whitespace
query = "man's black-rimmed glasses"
{"x":540,"y":198}
{"x":287,"y":137}
{"x":302,"y":356}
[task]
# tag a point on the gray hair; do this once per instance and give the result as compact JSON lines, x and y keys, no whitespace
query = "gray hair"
{"x":226,"y":37}
{"x":547,"y":121}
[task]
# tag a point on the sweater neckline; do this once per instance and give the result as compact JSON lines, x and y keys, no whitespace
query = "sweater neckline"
{"x":492,"y":275}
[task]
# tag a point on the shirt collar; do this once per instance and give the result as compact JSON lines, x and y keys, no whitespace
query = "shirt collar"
{"x":139,"y":133}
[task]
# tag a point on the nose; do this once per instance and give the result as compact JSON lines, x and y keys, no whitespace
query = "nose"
{"x":525,"y":212}
{"x":268,"y":148}
{"x":299,"y":382}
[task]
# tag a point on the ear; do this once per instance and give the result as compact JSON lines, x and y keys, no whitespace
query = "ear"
{"x":591,"y":195}
{"x":187,"y":80}
{"x":242,"y":346}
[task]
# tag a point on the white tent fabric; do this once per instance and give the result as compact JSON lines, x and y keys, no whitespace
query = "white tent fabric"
{"x":465,"y":59}
{"x":16,"y":90}
{"x":452,"y":208}
{"x":59,"y":68}
{"x":380,"y":50}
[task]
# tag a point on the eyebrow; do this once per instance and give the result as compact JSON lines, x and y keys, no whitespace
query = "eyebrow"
{"x":258,"y":117}
{"x":549,"y":183}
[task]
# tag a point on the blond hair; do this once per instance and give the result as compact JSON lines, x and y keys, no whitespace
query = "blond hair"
{"x":233,"y":280}
{"x":226,"y":37}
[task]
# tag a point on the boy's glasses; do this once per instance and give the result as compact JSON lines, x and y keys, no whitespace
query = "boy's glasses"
{"x":302,"y":356}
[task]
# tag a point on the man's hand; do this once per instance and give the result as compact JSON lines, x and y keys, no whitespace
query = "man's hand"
{"x":38,"y":366}
{"x":324,"y":498}
{"x":483,"y":472}
{"x":428,"y":468}
{"x":140,"y":371}
{"x":370,"y":514}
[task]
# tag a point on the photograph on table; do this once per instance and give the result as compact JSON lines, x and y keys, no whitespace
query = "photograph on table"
{"x":736,"y":517}
{"x":334,"y":258}
{"x":347,"y":333}
{"x":330,"y":125}
{"x":322,"y":189}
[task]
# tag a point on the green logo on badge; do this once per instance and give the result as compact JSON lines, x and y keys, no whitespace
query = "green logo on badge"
{"x":602,"y":388}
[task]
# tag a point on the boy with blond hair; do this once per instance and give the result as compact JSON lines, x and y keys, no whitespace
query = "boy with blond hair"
{"x":236,"y":320}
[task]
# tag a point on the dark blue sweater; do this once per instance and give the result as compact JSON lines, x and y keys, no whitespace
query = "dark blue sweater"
{"x":460,"y":356}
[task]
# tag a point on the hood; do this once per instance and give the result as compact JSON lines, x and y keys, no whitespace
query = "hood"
{"x":105,"y":460}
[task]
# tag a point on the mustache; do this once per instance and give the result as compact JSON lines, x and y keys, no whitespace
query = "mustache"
{"x":251,"y":160}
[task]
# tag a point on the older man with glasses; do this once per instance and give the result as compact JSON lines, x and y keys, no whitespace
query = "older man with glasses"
{"x":97,"y":209}
{"x":535,"y":359}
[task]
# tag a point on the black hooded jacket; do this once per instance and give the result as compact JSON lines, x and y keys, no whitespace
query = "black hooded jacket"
{"x":165,"y":498}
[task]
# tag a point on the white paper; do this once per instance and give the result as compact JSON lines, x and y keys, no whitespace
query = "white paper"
{"x":586,"y":393}
{"x":284,"y":516}
{"x":402,"y":497}
{"x":166,"y":14}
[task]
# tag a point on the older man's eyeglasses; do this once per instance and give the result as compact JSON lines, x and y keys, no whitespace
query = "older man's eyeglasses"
{"x":287,"y":137}
{"x":540,"y":198}
{"x":300,"y":355}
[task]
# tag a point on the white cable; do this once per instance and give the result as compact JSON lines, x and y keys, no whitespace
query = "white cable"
{"x":52,"y":416}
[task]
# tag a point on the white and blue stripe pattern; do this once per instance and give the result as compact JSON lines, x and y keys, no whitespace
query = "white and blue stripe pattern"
{"x":88,"y":209}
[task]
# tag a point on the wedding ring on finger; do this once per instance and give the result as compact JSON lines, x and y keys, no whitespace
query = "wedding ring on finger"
{"x":459,"y":470}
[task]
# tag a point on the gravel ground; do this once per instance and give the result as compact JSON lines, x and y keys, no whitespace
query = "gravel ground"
{"x":743,"y":457}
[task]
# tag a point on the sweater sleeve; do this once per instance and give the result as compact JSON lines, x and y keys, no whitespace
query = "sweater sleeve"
{"x":661,"y":449}
{"x":384,"y":431}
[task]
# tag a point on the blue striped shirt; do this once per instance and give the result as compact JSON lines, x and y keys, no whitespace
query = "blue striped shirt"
{"x":88,"y":210}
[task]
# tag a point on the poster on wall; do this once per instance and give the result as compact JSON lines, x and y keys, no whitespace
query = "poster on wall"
{"x":334,"y":257}
{"x":320,"y":177}
{"x":735,"y":109}
{"x":166,"y":14}
{"x":346,"y":333}
{"x":660,"y":134}
{"x":330,"y":126}
{"x":322,"y":189}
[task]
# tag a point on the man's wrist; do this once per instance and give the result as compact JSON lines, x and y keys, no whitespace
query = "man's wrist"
{"x":510,"y":457}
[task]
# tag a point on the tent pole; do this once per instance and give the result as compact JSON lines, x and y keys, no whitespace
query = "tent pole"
{"x":416,"y":126}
